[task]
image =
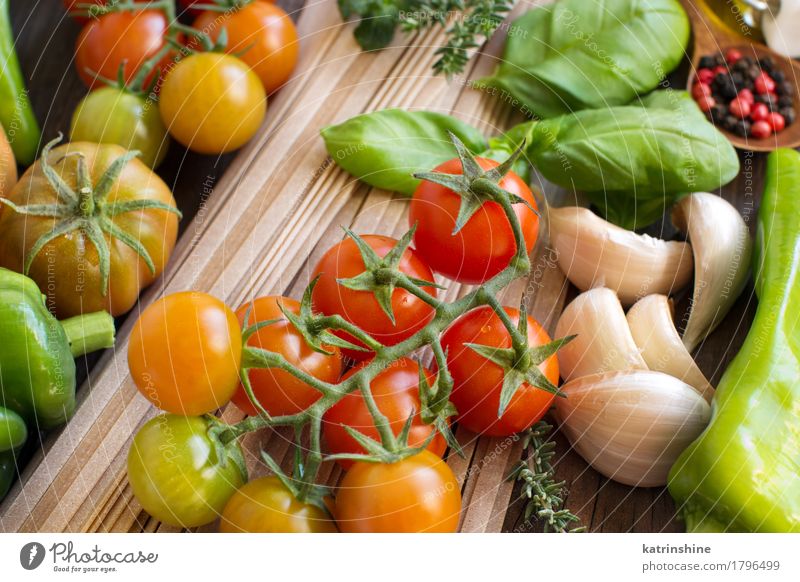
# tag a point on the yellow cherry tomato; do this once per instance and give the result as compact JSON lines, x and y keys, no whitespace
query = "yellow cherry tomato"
{"x":212,"y":103}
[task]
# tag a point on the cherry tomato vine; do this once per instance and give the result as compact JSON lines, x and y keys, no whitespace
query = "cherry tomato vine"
{"x":520,"y":362}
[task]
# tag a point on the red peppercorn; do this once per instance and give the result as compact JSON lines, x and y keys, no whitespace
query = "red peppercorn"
{"x":700,"y":90}
{"x":764,"y":84}
{"x":705,"y":76}
{"x":706,"y":103}
{"x":720,"y":69}
{"x":761,"y":129}
{"x":760,"y":112}
{"x":739,"y":108}
{"x":776,"y":121}
{"x":732,"y":55}
{"x":747,"y":95}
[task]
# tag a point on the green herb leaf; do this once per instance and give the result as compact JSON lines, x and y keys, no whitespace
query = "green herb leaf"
{"x":636,"y":160}
{"x":578,"y":54}
{"x":386,"y":147}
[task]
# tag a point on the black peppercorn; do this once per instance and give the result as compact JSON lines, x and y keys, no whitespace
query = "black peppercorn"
{"x":730,"y":122}
{"x":785,"y":101}
{"x":788,"y":114}
{"x":784,"y":88}
{"x":718,"y":113}
{"x":767,"y":64}
{"x":707,"y":62}
{"x":720,"y":61}
{"x":742,"y":128}
{"x":778,"y":76}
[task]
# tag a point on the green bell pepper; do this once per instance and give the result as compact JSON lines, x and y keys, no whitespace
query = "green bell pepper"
{"x":16,"y":113}
{"x":743,"y":473}
{"x":13,"y":432}
{"x":37,"y":366}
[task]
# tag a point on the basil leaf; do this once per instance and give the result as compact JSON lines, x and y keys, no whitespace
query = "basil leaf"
{"x":385,"y":147}
{"x":635,"y":160}
{"x":377,"y":21}
{"x":588,"y":54}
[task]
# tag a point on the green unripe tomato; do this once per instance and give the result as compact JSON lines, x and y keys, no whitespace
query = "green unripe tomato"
{"x":113,"y":116}
{"x":13,"y":432}
{"x":176,"y":475}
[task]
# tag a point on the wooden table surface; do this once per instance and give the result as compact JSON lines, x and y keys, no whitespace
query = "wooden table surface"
{"x":45,"y":39}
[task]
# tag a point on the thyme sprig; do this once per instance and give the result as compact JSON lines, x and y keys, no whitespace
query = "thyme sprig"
{"x":467,"y":23}
{"x":544,"y":494}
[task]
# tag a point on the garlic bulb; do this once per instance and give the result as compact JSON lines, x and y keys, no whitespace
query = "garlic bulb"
{"x":653,"y":329}
{"x":722,"y":251}
{"x":631,"y":426}
{"x":596,"y":253}
{"x":603,"y":341}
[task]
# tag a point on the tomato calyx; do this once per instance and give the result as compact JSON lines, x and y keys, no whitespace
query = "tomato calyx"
{"x":520,"y":363}
{"x":436,"y":407}
{"x":227,"y":451}
{"x":382,"y":275}
{"x":390,"y":449}
{"x":85,"y":209}
{"x":474,"y":185}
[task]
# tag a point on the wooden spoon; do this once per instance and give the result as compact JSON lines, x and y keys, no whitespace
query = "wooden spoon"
{"x":710,"y":39}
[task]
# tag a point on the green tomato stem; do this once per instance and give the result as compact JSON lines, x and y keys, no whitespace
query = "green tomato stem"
{"x":89,"y":332}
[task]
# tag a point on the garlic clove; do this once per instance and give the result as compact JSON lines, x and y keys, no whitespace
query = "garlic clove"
{"x":653,"y":330}
{"x":595,"y":253}
{"x":722,"y":250}
{"x":631,"y":426}
{"x":603,"y":341}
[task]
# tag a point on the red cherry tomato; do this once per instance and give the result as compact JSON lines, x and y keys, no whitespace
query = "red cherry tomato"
{"x":396,"y":393}
{"x":129,"y":37}
{"x":478,"y":381}
{"x":764,"y":84}
{"x":279,"y":392}
{"x":739,"y":108}
{"x":344,"y":261}
{"x":761,"y":129}
{"x":485,"y":245}
{"x":777,"y":121}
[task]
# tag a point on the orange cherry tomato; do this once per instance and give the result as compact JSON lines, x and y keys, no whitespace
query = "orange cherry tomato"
{"x":279,"y":392}
{"x":477,"y":382}
{"x":267,"y":506}
{"x":419,"y":494}
{"x":106,"y":42}
{"x":396,"y":393}
{"x":262,"y":35}
{"x":184,"y":353}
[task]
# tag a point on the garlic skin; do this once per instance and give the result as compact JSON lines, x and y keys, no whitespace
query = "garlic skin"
{"x":652,"y":326}
{"x":631,"y":426}
{"x":595,"y":253}
{"x":604,"y":342}
{"x":722,"y":250}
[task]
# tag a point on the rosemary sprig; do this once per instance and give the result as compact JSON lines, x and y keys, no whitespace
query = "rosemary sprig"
{"x":472,"y":22}
{"x":545,"y":496}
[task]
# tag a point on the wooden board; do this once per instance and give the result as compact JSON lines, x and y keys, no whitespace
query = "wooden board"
{"x":278,"y":207}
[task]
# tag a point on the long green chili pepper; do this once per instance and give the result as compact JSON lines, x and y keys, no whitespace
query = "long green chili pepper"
{"x":743,"y":473}
{"x":16,"y":113}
